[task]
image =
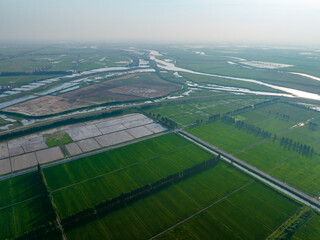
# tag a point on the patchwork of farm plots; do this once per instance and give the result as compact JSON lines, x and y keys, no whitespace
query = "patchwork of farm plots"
{"x":220,"y":203}
{"x":186,"y":114}
{"x":268,"y":155}
{"x":86,"y":182}
{"x":28,"y":151}
{"x":23,"y":205}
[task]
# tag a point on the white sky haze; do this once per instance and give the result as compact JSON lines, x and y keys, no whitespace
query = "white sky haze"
{"x":256,"y":21}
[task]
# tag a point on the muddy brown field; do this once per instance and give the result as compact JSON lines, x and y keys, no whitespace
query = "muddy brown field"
{"x":126,"y":88}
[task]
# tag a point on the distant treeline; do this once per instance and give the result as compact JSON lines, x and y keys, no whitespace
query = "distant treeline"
{"x":164,"y":120}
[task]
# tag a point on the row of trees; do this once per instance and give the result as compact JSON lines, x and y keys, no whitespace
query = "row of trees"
{"x":252,"y":129}
{"x":250,"y":107}
{"x":287,"y":143}
{"x":166,"y":121}
{"x":108,"y":206}
{"x":300,"y":148}
{"x":292,"y":228}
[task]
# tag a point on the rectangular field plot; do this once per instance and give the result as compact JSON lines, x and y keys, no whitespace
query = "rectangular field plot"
{"x":114,"y":138}
{"x":23,"y":217}
{"x":5,"y":166}
{"x":49,"y":155}
{"x":83,"y":132}
{"x":73,"y":149}
{"x":155,"y":127}
{"x":23,"y":205}
{"x":15,"y":151}
{"x":225,"y":136}
{"x":224,"y":203}
{"x":139,"y":132}
{"x":26,"y":144}
{"x":23,"y":161}
{"x":87,"y":182}
{"x":111,"y":129}
{"x":4,"y":152}
{"x":88,"y":145}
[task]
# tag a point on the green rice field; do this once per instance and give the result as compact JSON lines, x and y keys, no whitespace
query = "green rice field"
{"x":23,"y":205}
{"x":87,"y":182}
{"x":186,"y":114}
{"x":286,"y":165}
{"x":241,"y":208}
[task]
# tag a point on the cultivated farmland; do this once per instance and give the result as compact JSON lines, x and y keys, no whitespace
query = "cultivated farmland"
{"x":234,"y":212}
{"x":269,"y":155}
{"x":187,"y":113}
{"x":86,"y":182}
{"x":23,"y":205}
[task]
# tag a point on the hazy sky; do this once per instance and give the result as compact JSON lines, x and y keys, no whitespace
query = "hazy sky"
{"x":261,"y":21}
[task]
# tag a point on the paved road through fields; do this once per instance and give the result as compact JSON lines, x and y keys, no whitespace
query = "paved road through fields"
{"x":258,"y":174}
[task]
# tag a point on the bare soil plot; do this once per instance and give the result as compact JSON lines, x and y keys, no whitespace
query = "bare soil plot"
{"x":133,"y":117}
{"x":4,"y":151}
{"x":126,"y":88}
{"x":49,"y":155}
{"x":14,"y":151}
{"x":139,"y":132}
{"x":137,"y":123}
{"x":46,"y":105}
{"x":73,"y":149}
{"x":155,"y":127}
{"x":27,"y":144}
{"x":88,"y":145}
{"x":111,"y":129}
{"x":80,"y":133}
{"x":23,"y":161}
{"x":109,"y":123}
{"x":114,"y":138}
{"x":34,"y":144}
{"x":5,"y":166}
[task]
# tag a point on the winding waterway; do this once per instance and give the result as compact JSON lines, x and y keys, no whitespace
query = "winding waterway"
{"x":292,"y":92}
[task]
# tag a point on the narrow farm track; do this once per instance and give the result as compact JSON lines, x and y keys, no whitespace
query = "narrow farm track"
{"x":256,"y":173}
{"x":202,"y":210}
